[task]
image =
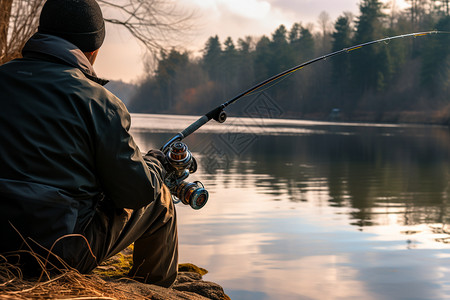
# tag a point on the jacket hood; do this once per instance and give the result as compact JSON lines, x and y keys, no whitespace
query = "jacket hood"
{"x":56,"y":49}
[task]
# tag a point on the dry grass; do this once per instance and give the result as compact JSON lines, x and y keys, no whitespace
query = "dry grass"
{"x":108,"y":281}
{"x":66,"y":283}
{"x":62,"y":283}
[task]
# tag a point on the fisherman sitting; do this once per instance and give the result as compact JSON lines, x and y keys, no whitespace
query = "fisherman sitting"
{"x":72,"y":179}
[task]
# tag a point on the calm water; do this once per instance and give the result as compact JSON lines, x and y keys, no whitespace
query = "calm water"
{"x":311,"y":210}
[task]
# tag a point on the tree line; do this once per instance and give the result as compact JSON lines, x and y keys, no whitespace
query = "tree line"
{"x":406,"y":80}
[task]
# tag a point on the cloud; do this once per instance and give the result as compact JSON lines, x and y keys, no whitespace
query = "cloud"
{"x":309,"y":10}
{"x":251,"y":9}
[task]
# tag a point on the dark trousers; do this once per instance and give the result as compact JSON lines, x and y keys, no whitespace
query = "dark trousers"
{"x":153,"y":230}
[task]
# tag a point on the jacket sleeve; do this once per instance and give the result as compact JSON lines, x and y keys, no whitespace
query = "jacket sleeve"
{"x":126,"y":179}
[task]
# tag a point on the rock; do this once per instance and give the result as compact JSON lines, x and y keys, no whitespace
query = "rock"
{"x":189,"y":284}
{"x":187,"y":267}
{"x":153,"y":292}
{"x":193,"y":283}
{"x":187,"y":277}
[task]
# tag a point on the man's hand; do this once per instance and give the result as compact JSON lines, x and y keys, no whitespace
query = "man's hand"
{"x":159,"y":155}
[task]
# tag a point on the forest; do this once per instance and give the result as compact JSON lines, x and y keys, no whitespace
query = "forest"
{"x":405,"y":80}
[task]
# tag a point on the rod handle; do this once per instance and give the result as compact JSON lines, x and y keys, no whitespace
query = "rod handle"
{"x":194,"y":126}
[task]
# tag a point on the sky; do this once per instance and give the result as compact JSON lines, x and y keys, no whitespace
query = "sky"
{"x":120,"y":57}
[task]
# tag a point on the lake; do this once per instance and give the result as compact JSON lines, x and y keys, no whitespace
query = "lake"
{"x":316,"y":210}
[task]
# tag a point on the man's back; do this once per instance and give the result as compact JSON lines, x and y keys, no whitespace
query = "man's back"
{"x":64,"y":135}
{"x":71,"y":175}
{"x":49,"y":132}
{"x":42,"y":114}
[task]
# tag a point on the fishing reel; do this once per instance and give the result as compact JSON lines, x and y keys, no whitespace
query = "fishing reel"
{"x":181,"y":163}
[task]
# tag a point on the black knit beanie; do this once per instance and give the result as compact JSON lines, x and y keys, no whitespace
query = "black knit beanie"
{"x":78,"y":21}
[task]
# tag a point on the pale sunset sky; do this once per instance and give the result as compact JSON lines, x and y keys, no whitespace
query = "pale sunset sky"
{"x":120,"y":58}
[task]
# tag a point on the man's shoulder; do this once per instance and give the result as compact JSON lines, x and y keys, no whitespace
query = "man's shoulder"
{"x":99,"y":96}
{"x":99,"y":91}
{"x":58,"y":79}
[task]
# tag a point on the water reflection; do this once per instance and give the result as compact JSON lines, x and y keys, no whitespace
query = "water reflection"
{"x":299,"y":210}
{"x":405,"y":171}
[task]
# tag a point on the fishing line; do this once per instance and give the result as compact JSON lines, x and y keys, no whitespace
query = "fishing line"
{"x":268,"y":87}
{"x":219,"y":114}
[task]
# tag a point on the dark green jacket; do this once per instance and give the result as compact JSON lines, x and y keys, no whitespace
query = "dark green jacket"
{"x":64,"y":145}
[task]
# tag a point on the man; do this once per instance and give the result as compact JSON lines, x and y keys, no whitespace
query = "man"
{"x":72,"y":180}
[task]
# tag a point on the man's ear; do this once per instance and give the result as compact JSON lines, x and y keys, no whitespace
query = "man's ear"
{"x":91,"y":56}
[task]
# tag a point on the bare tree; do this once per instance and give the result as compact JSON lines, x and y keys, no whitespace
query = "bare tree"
{"x":5,"y":12}
{"x":442,"y":6}
{"x":18,"y":21}
{"x":324,"y":22}
{"x":157,"y":24}
{"x":325,"y":26}
{"x":417,"y":11}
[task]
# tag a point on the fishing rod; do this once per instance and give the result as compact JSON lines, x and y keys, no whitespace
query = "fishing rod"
{"x":180,"y":160}
{"x":219,"y":115}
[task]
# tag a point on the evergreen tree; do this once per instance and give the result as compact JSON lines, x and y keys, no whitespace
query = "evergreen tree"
{"x":212,"y":55}
{"x":230,"y":65}
{"x":294,"y":33}
{"x":230,"y":49}
{"x":245,"y":62}
{"x":340,"y":77}
{"x":365,"y":67}
{"x":279,"y":51}
{"x":435,"y":63}
{"x":307,"y":44}
{"x":168,"y":66}
{"x":262,"y":58}
{"x":294,"y":43}
{"x":301,"y":43}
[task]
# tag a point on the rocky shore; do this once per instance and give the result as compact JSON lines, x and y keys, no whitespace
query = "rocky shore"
{"x":108,"y":281}
{"x":189,"y":283}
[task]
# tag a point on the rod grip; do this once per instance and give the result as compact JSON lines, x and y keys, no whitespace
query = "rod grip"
{"x":194,"y":126}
